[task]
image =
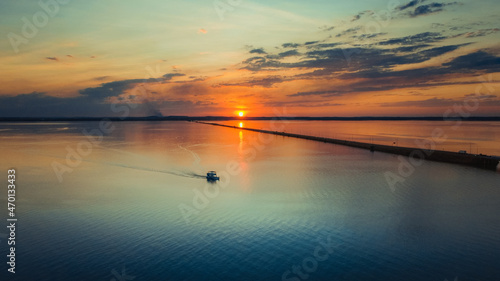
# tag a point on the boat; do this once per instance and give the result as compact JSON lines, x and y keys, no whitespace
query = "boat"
{"x":212,"y":176}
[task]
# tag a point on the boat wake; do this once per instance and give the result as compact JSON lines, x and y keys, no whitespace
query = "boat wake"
{"x":194,"y":175}
{"x":186,"y":174}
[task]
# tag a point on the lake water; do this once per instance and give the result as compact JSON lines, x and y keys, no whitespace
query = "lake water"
{"x":134,"y":204}
{"x":471,"y":136}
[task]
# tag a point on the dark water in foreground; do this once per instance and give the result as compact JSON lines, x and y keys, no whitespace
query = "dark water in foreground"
{"x":135,"y":205}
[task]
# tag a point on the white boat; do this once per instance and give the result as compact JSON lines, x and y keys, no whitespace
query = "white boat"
{"x":212,"y":176}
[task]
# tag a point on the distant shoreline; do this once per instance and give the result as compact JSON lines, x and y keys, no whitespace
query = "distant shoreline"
{"x":226,"y":118}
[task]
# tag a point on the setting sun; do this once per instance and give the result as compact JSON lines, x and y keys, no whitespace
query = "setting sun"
{"x":241,"y":113}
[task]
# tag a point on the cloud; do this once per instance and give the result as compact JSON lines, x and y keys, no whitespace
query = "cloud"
{"x":421,"y":10}
{"x":439,"y":102}
{"x":482,"y":32}
{"x":38,"y":104}
{"x":308,"y":44}
{"x":324,"y":45}
{"x":188,"y":89}
{"x":95,"y":101}
{"x":266,"y":82}
{"x":482,"y":96}
{"x":360,"y":15}
{"x":257,"y":51}
{"x":353,"y":30}
{"x":478,"y":61}
{"x":194,"y":79}
{"x":169,"y":76}
{"x":432,"y":102}
{"x":427,"y":9}
{"x":327,"y":28}
{"x":334,"y":60}
{"x":338,"y":64}
{"x":255,"y":60}
{"x":299,"y":103}
{"x":383,"y":85}
{"x":421,"y":38}
{"x":201,"y":30}
{"x":410,"y":4}
{"x":376,"y":65}
{"x":319,"y":93}
{"x":290,"y":45}
{"x":388,"y":79}
{"x":289,"y":53}
{"x":117,"y":88}
{"x":407,"y":49}
{"x":369,"y":35}
{"x":356,"y":17}
{"x":385,"y":61}
{"x":111,"y":89}
{"x":100,"y":78}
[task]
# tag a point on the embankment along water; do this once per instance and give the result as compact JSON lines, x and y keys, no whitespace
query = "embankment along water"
{"x":479,"y":161}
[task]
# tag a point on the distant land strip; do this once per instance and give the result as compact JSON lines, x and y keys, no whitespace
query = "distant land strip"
{"x":475,"y":160}
{"x":227,"y":118}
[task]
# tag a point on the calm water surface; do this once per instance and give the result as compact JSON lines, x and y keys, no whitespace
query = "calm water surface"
{"x":136,"y":205}
{"x":473,"y":137}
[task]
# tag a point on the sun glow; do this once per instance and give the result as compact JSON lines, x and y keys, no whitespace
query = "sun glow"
{"x":241,"y":113}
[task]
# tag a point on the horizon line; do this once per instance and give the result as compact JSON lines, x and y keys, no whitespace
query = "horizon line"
{"x":229,"y":118}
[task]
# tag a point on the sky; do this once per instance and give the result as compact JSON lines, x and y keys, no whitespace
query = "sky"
{"x":63,"y":58}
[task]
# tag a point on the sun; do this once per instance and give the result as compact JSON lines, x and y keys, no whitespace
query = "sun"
{"x":241,"y":113}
